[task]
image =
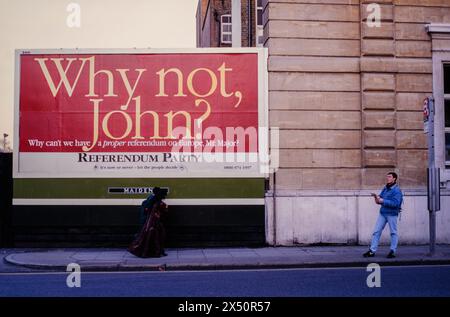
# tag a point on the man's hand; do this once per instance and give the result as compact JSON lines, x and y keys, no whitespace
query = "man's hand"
{"x":378,"y":200}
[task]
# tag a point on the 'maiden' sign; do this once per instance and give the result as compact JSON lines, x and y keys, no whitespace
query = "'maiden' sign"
{"x":78,"y":103}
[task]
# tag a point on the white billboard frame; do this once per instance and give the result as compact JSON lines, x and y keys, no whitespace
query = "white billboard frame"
{"x":263,"y":120}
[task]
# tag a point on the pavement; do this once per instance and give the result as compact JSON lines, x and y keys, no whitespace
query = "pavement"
{"x":107,"y":259}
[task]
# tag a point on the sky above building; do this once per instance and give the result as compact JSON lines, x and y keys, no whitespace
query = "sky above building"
{"x":50,"y":24}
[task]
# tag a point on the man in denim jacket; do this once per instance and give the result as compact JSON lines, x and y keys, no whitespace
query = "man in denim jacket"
{"x":390,"y":199}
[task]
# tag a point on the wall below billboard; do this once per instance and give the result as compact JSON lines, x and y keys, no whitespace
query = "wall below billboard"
{"x":115,"y":226}
{"x":6,"y":193}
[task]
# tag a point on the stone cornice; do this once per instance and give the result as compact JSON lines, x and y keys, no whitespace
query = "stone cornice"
{"x":438,"y":28}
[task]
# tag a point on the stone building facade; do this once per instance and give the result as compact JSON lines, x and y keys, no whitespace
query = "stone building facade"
{"x":347,"y":97}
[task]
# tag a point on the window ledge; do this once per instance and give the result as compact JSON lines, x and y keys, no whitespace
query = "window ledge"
{"x":438,"y":28}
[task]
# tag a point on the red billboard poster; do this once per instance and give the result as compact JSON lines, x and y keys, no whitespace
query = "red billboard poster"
{"x":198,"y":113}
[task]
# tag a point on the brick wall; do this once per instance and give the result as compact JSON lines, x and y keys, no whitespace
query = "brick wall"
{"x":348,"y":97}
{"x":246,"y":28}
{"x":314,"y":92}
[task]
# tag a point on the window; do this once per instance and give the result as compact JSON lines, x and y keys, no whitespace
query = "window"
{"x":225,"y":29}
{"x":440,"y":37}
{"x":447,"y":113}
{"x":259,"y":24}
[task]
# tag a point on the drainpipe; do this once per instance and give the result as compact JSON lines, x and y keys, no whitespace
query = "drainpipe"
{"x":236,"y":11}
{"x":274,"y":220}
{"x":249,"y":22}
{"x":217,"y":25}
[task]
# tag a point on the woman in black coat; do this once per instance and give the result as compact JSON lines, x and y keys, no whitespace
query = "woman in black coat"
{"x":150,"y":240}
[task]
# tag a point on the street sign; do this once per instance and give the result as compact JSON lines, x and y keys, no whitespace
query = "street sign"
{"x":133,"y":190}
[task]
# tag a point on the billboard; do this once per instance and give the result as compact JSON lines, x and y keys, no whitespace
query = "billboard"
{"x":140,"y":113}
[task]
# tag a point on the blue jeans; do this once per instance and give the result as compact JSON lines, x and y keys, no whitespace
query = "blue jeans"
{"x":379,"y":226}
